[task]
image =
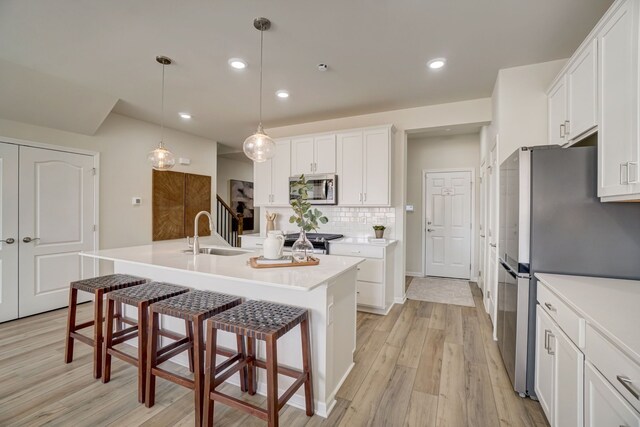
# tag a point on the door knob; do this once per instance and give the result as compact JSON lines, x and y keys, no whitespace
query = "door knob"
{"x":8,"y":241}
{"x":430,"y":230}
{"x":29,"y":239}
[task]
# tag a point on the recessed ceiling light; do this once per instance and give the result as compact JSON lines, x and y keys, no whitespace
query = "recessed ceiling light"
{"x":437,"y":63}
{"x":282,"y":94}
{"x":237,"y":63}
{"x":185,"y":115}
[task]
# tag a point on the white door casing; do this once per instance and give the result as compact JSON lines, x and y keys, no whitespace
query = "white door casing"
{"x":8,"y":230}
{"x":491,"y":262}
{"x":57,"y":212}
{"x":448,"y":224}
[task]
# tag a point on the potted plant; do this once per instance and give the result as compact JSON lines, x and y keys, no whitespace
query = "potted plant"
{"x":379,"y":230}
{"x":305,"y":217}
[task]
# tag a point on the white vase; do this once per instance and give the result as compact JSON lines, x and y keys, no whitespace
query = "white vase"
{"x":273,"y":244}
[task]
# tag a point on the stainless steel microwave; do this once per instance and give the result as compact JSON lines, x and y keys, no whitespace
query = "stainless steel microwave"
{"x":324,"y":189}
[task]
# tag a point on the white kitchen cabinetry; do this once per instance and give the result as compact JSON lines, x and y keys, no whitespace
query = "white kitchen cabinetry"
{"x":557,"y":106}
{"x":603,"y":405}
{"x":313,"y":155}
{"x":582,"y":377}
{"x":271,"y":178}
{"x":364,"y":167}
{"x":375,"y":274}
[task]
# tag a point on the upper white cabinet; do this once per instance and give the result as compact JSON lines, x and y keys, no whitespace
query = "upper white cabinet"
{"x":618,"y":100}
{"x":364,"y":167}
{"x":557,"y":106}
{"x":313,"y":155}
{"x":582,"y":88}
{"x":271,"y":178}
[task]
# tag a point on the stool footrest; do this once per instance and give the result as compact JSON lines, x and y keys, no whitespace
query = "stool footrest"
{"x":123,"y":356}
{"x":83,"y":325}
{"x":241,"y":363}
{"x":239,"y":404}
{"x":81,"y":338}
{"x":125,"y":337}
{"x":118,"y":334}
{"x":170,"y":334}
{"x":173,"y":349}
{"x":291,"y":391}
{"x":175,"y":378}
{"x":282,"y":370}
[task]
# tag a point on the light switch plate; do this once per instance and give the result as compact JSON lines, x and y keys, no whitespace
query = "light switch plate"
{"x":136,"y":201}
{"x":184,"y":161}
{"x":409,"y":208}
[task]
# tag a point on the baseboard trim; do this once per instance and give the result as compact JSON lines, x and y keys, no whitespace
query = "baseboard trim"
{"x":400,"y":300}
{"x":414,"y":274}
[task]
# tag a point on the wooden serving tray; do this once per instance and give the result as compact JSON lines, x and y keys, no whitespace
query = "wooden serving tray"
{"x":312,"y":261}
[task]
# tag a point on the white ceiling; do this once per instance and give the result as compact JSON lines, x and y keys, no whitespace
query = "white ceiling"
{"x":376,"y":51}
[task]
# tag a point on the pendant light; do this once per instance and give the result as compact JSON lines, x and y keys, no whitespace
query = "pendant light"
{"x":162,"y":159}
{"x":259,"y":147}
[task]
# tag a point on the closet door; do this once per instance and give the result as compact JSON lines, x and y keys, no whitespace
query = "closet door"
{"x":57,"y":217}
{"x":8,"y":232}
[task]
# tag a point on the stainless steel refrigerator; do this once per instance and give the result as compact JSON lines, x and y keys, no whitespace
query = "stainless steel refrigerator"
{"x":552,"y":221}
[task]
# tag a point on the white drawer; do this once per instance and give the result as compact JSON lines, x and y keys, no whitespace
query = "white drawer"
{"x":370,"y":294}
{"x":365,"y":251}
{"x":614,"y":365}
{"x":371,"y":270}
{"x":568,"y":320}
{"x":603,"y":405}
{"x":251,"y":242}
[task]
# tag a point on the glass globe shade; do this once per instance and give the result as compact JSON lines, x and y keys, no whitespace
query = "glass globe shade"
{"x":161,"y":159}
{"x":259,"y":147}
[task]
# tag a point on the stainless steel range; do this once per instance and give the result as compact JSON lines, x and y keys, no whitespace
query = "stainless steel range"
{"x":320,"y":241}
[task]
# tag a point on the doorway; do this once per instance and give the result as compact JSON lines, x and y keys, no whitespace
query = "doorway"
{"x":448,"y":198}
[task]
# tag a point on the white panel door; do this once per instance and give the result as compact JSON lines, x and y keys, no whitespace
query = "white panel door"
{"x":376,"y":167}
{"x":582,"y":89}
{"x":8,"y":232}
{"x":618,"y":77}
{"x":604,"y":406}
{"x":492,"y":235}
{"x":544,"y":363}
{"x":302,"y":161}
{"x":57,"y":217}
{"x":280,"y":172}
{"x":325,"y":154}
{"x":448,"y":219}
{"x":557,"y":104}
{"x":568,"y":381}
{"x":350,"y":168}
{"x":482,"y":229}
{"x":262,"y":182}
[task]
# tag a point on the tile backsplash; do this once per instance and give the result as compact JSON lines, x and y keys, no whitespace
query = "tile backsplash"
{"x":352,"y":222}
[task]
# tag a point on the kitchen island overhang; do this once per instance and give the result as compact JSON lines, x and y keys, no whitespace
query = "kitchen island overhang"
{"x":328,"y":291}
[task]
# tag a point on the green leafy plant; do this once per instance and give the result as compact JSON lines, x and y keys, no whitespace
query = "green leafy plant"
{"x":305,"y":217}
{"x":379,"y":227}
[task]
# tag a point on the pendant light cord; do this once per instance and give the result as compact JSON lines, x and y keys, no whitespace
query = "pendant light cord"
{"x":261,"y":49}
{"x":162,"y":111}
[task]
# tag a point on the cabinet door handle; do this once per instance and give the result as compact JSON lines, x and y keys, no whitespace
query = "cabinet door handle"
{"x":549,"y":306}
{"x":8,"y":241}
{"x":629,"y":180}
{"x":628,"y":384}
{"x":359,"y":197}
{"x":626,"y":169}
{"x":546,"y":339}
{"x":365,"y":197}
{"x":30,"y":239}
{"x":311,"y":166}
{"x":567,"y":128}
{"x":549,"y":351}
{"x":562,"y":131}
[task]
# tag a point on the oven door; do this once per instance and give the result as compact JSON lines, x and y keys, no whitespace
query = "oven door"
{"x":322,"y":189}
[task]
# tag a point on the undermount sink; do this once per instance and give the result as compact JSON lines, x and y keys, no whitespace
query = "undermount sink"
{"x":219,"y":251}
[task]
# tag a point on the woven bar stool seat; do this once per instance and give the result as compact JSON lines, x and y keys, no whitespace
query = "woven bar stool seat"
{"x":265,"y":321}
{"x":141,"y":297}
{"x":194,"y":308}
{"x":98,"y":286}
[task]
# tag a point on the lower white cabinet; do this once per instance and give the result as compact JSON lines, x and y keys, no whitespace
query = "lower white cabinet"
{"x":375,"y":274}
{"x":603,"y":404}
{"x":544,"y":379}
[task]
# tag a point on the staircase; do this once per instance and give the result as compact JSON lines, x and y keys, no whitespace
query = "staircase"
{"x":228,"y":223}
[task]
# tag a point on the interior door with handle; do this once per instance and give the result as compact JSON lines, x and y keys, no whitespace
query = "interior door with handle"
{"x":57,"y":208}
{"x":8,"y":232}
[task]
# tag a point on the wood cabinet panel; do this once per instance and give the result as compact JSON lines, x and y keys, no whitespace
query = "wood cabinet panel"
{"x":197,"y":198}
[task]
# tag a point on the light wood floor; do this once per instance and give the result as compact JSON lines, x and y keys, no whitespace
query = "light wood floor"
{"x":424,"y":364}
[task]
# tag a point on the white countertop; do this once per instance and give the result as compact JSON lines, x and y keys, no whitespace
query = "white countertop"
{"x":170,"y":255}
{"x":362,"y":241}
{"x":612,"y":306}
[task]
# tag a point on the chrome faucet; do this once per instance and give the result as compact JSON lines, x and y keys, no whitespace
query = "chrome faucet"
{"x":196,"y":238}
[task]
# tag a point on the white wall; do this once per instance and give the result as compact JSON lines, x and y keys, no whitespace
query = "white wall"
{"x":229,"y":169}
{"x":411,"y":119}
{"x":123,"y":144}
{"x":519,"y":104}
{"x":436,"y":152}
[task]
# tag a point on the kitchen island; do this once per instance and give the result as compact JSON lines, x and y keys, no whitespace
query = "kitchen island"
{"x":327,"y":290}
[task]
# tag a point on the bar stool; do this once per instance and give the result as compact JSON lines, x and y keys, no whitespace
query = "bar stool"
{"x":194,"y":307}
{"x":99,"y":286}
{"x":266,"y":321}
{"x":141,"y":297}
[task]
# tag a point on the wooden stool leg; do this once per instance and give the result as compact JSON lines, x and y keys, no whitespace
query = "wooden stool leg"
{"x":71,"y":325}
{"x":108,"y":342}
{"x":272,"y":381}
{"x":243,"y":372}
{"x":189,"y":333}
{"x":152,"y":358}
{"x":251,"y":368}
{"x":209,"y":375}
{"x":118,"y":316}
{"x":98,"y":305}
{"x":306,"y":366}
{"x":197,"y":350}
{"x":143,"y":317}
